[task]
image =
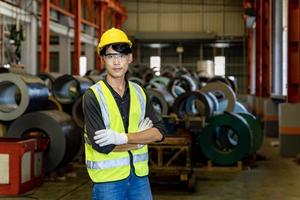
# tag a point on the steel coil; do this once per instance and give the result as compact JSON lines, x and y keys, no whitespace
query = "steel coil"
{"x":239,"y":108}
{"x":194,"y":103}
{"x":20,"y":93}
{"x":67,"y":88}
{"x":226,"y":91}
{"x":64,"y":136}
{"x":15,"y":70}
{"x":147,"y":75}
{"x":214,"y":100}
{"x":53,"y":104}
{"x":49,"y":79}
{"x":169,"y":71}
{"x":161,"y":80}
{"x":183,"y":83}
{"x":158,"y":100}
{"x":95,"y":78}
{"x":238,"y":135}
{"x":92,"y":72}
{"x":256,"y":130}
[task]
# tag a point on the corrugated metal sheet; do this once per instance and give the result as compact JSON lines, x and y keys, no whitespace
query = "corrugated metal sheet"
{"x":148,"y":22}
{"x":170,"y":8}
{"x":132,"y":23}
{"x":234,"y":24}
{"x":148,"y":7}
{"x":213,"y":22}
{"x":220,"y":17}
{"x":169,"y":22}
{"x":192,"y":22}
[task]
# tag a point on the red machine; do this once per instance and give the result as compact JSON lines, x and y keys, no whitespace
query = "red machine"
{"x":21,"y":164}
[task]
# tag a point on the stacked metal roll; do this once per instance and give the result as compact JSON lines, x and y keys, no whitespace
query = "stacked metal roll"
{"x":20,"y":93}
{"x":28,"y":109}
{"x":64,"y":136}
{"x":230,"y":137}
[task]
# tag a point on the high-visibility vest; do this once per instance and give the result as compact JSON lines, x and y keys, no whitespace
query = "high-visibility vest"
{"x":116,"y":165}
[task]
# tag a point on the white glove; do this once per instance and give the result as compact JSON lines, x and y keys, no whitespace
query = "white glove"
{"x":145,"y":124}
{"x":107,"y":136}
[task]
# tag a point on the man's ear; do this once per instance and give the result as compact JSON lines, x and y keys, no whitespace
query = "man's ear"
{"x":130,"y":58}
{"x":101,"y":58}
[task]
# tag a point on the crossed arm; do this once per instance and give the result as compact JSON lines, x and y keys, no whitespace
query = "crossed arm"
{"x":128,"y":141}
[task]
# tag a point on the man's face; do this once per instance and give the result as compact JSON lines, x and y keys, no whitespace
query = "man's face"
{"x":116,"y":63}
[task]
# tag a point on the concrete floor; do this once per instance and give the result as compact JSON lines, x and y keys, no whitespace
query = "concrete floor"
{"x":274,"y":178}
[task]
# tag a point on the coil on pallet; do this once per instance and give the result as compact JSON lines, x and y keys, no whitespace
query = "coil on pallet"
{"x":169,"y":71}
{"x":219,"y":88}
{"x":193,"y":103}
{"x":226,"y":139}
{"x":147,"y":75}
{"x":225,"y":80}
{"x":256,"y":129}
{"x":67,"y":88}
{"x":160,"y":100}
{"x":20,"y":93}
{"x":186,"y":82}
{"x":64,"y":136}
{"x":164,"y":81}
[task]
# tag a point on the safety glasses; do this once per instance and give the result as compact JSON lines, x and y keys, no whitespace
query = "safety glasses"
{"x":115,"y":56}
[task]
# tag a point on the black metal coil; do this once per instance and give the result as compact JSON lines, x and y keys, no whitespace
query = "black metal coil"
{"x":20,"y":93}
{"x":64,"y":136}
{"x":193,"y":103}
{"x":67,"y":88}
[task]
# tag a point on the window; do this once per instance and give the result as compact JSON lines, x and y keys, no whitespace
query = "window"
{"x":155,"y":64}
{"x":82,"y":65}
{"x":220,"y":65}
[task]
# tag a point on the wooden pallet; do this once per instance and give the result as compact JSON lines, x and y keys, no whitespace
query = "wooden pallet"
{"x":211,"y":167}
{"x":172,"y":157}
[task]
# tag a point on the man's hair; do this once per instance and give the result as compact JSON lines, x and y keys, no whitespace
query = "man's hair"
{"x":122,"y":48}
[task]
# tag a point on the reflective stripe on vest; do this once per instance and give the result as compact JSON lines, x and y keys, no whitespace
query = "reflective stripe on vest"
{"x":116,"y":165}
{"x":103,"y":105}
{"x":141,"y":100}
{"x":116,"y":162}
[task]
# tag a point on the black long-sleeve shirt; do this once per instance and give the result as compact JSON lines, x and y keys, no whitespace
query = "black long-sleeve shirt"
{"x":93,"y":117}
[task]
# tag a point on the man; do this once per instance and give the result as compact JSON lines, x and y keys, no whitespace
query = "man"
{"x":119,"y":123}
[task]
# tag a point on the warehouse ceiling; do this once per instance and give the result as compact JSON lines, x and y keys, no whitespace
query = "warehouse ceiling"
{"x":196,"y":2}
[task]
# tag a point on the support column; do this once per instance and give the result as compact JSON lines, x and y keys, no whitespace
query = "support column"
{"x":277,"y":48}
{"x":258,"y":44}
{"x":289,"y":113}
{"x":266,"y":48}
{"x":45,"y":36}
{"x":293,"y":51}
{"x":77,"y":46}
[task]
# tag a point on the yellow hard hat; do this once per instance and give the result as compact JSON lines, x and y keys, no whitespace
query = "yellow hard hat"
{"x":113,"y":36}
